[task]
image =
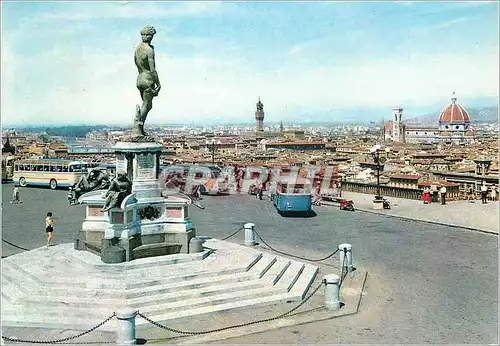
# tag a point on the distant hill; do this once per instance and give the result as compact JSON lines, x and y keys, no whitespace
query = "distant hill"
{"x":477,"y":115}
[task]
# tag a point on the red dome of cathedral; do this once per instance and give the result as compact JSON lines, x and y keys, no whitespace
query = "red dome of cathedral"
{"x":454,"y":113}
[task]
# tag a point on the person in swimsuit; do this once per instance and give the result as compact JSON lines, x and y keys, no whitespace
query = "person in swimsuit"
{"x":49,"y":227}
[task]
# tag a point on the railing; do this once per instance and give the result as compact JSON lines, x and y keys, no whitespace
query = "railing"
{"x":452,"y":192}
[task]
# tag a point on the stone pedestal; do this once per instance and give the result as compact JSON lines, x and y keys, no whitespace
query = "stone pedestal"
{"x":378,"y":204}
{"x":146,"y":224}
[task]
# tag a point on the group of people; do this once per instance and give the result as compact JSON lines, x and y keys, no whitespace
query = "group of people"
{"x":433,"y":194}
{"x":484,"y":193}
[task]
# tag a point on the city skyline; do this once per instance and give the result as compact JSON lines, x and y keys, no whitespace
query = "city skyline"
{"x":65,"y":63}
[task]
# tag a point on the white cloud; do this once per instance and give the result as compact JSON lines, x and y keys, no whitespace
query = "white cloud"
{"x":101,"y":87}
{"x":76,"y":82}
{"x":132,"y":10}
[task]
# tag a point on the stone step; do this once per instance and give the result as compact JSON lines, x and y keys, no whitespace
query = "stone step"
{"x":78,"y":301}
{"x":230,"y":293}
{"x":64,"y":293}
{"x":192,"y":313}
{"x":289,"y":276}
{"x":186,"y":277}
{"x":145,"y":301}
{"x":145,"y":268}
{"x":93,"y":247}
{"x":36,"y":320}
{"x":189,"y":285}
{"x":206,"y":270}
{"x":304,"y":281}
{"x":157,"y":261}
{"x":70,"y":301}
{"x":117,"y":281}
{"x":61,"y":312}
{"x":10,"y":294}
{"x":17,"y":275}
{"x":273,"y":272}
{"x":125,"y":281}
{"x":214,"y":300}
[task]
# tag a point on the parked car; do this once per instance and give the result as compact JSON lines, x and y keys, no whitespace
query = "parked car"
{"x":182,"y":177}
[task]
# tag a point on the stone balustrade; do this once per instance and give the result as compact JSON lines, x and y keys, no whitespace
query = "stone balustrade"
{"x":452,"y":193}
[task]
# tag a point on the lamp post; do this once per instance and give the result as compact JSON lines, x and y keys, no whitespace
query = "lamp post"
{"x":375,"y":151}
{"x":212,"y":145}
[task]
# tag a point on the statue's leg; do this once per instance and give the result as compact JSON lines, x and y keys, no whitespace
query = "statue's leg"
{"x":147,"y":105}
{"x":137,"y":128}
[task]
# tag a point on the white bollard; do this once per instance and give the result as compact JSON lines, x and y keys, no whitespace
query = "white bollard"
{"x":332,"y":291}
{"x":348,"y":260}
{"x":249,"y":234}
{"x":125,"y":334}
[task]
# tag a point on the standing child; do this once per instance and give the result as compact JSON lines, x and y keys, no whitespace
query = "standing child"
{"x":49,"y":227}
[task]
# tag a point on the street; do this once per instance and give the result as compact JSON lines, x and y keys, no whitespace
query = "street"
{"x":426,"y":283}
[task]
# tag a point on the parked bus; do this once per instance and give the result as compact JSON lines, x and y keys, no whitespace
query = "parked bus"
{"x":48,"y":172}
{"x":7,"y":167}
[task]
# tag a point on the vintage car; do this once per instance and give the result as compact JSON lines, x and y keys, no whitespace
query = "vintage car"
{"x":184,"y":178}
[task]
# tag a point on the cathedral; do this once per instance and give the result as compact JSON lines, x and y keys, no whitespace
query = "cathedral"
{"x":454,"y":126}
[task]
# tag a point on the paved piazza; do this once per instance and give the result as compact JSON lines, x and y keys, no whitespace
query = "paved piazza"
{"x":426,"y":283}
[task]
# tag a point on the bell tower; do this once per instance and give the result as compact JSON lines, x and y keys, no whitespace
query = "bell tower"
{"x":259,"y":117}
{"x":397,"y":125}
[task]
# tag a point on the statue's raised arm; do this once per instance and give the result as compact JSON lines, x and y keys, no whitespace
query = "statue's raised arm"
{"x":148,"y":82}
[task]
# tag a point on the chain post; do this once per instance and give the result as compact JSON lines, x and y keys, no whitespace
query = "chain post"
{"x":332,"y":291}
{"x":346,"y":250}
{"x":249,"y":234}
{"x":125,"y":333}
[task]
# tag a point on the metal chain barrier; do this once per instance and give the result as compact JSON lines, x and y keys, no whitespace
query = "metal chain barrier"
{"x":14,"y":245}
{"x":299,"y":257}
{"x":229,"y":236}
{"x":342,"y":274}
{"x":65,"y":339}
{"x":237,"y":325}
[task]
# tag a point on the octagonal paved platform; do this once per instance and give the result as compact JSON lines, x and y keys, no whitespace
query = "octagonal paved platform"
{"x":59,"y":287}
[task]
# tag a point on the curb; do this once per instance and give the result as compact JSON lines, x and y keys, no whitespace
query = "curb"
{"x":429,"y":221}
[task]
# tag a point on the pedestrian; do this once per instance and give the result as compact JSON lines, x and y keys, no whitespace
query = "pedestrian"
{"x":442,"y":191}
{"x":239,"y":179}
{"x":494,"y":193}
{"x":484,"y":193}
{"x":16,"y":197}
{"x":49,"y":227}
{"x":70,"y":196}
{"x":470,"y":196}
{"x":426,"y":195}
{"x":434,"y":191}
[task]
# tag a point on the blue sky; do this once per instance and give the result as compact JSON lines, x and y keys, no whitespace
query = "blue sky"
{"x":72,"y":62}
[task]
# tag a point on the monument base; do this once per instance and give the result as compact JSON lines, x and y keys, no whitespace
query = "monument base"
{"x":146,"y":224}
{"x":378,"y":204}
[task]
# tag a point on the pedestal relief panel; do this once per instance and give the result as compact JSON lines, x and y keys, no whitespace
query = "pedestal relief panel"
{"x":146,"y":166}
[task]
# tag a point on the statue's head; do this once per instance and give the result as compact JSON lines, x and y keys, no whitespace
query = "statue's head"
{"x":121,"y":175}
{"x":147,"y":33}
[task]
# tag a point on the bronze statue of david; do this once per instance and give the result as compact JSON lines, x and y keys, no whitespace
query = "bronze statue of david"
{"x":147,"y":80}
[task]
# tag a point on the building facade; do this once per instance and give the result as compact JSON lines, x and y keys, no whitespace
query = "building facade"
{"x":454,"y":126}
